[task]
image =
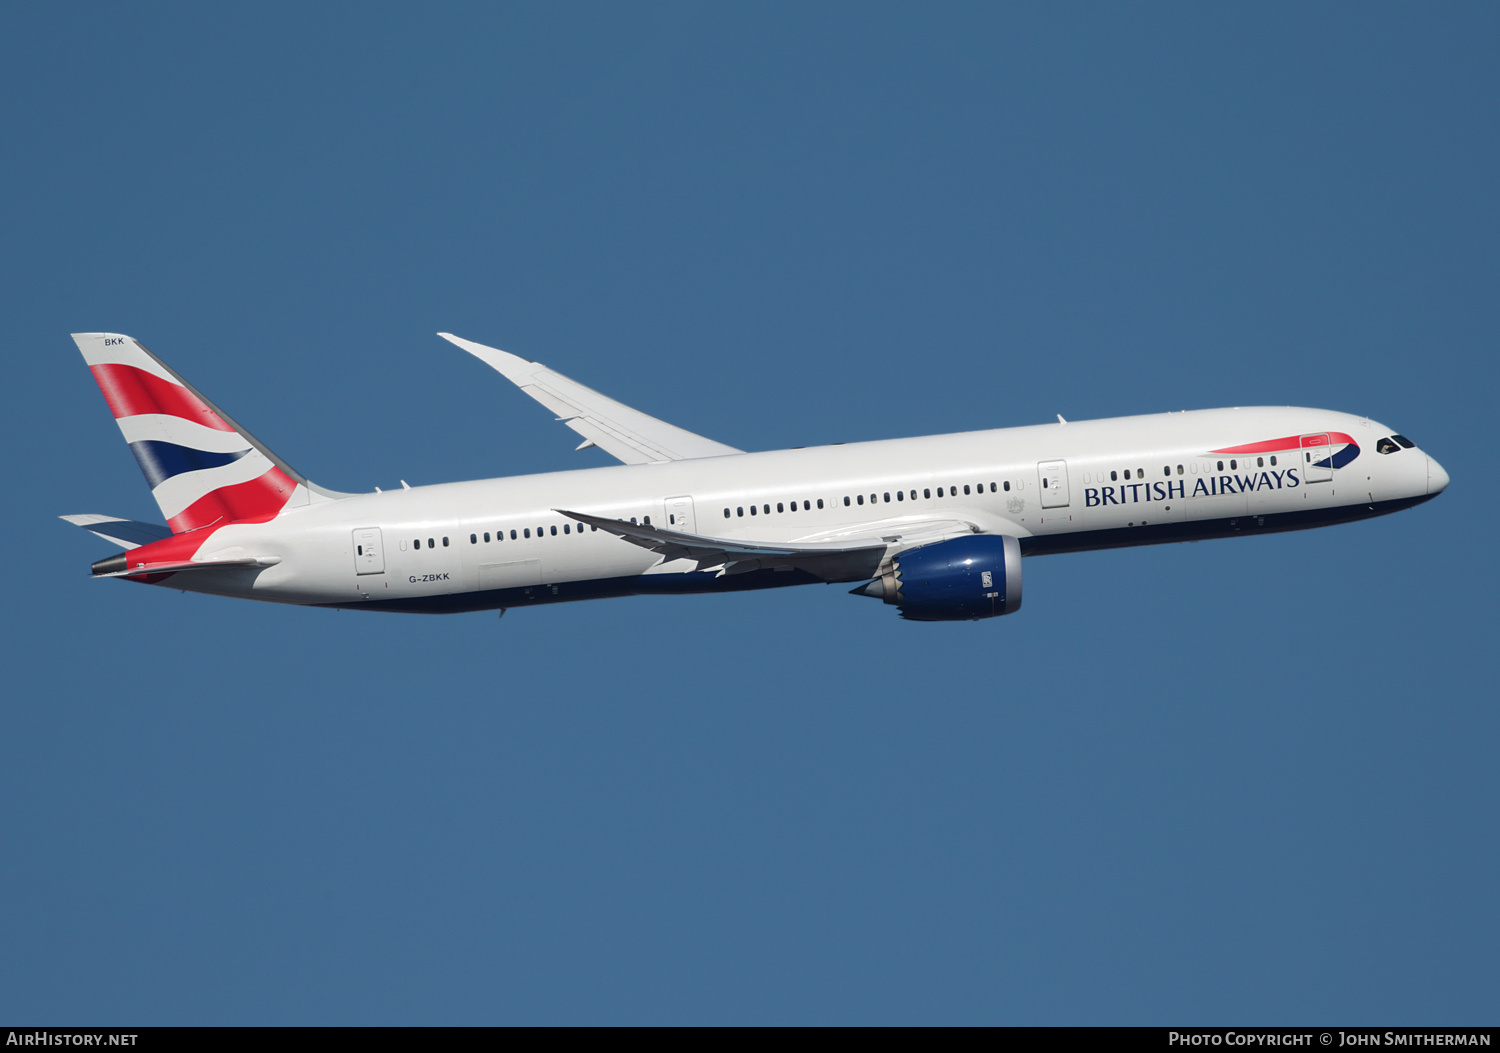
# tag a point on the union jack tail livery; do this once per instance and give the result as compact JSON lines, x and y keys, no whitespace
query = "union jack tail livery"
{"x":203,"y":468}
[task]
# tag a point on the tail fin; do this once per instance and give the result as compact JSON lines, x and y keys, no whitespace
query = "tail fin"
{"x":202,"y":467}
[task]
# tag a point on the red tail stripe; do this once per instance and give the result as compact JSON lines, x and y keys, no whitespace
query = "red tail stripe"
{"x":130,"y":391}
{"x":251,"y":502}
{"x":1291,"y":442}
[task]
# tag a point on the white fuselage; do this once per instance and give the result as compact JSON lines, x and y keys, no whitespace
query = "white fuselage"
{"x":1056,"y":487}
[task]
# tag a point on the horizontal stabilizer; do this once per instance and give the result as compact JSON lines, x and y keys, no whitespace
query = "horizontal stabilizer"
{"x":626,"y":434}
{"x":115,"y":566}
{"x":127,"y":533}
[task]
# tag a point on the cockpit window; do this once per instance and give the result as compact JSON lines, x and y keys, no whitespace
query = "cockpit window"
{"x":1386,"y":446}
{"x":1404,"y":441}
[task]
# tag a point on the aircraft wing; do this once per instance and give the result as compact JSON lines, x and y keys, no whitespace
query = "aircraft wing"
{"x":624,"y":433}
{"x":844,"y":560}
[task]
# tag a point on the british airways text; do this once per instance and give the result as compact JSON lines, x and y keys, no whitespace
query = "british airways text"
{"x":1132,"y":493}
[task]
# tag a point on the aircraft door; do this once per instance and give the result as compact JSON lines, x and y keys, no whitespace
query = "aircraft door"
{"x":1317,"y":454}
{"x":369,"y":557}
{"x":680,"y":515}
{"x":1053,"y":475}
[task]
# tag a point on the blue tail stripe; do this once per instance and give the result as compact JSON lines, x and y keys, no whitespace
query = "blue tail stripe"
{"x":160,"y":461}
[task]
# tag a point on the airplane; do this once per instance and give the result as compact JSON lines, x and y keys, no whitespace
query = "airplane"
{"x":935,"y":526}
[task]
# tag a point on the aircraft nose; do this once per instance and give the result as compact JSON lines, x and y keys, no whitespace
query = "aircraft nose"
{"x":1437,"y":479}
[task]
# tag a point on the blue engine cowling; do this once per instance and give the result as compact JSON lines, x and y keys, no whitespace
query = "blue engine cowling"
{"x":959,"y":580}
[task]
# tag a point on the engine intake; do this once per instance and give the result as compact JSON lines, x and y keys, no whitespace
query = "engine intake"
{"x":965,"y":579}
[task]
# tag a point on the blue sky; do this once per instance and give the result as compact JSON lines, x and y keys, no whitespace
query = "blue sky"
{"x":1247,"y":781}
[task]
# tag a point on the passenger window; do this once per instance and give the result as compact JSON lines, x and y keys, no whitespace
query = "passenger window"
{"x":966,"y":489}
{"x":473,"y":539}
{"x":1221,"y":466}
{"x":417,"y":543}
{"x":1234,"y":465}
{"x":646,"y":520}
{"x":927,"y":494}
{"x":1260,"y":462}
{"x":1273,"y":460}
{"x":887,"y":497}
{"x":1113,"y":477}
{"x":780,"y":507}
{"x":567,"y":529}
{"x":445,"y":542}
{"x":807,"y":506}
{"x":900,"y":495}
{"x":846,"y":502}
{"x":766,"y":509}
{"x":1166,"y":470}
{"x":820,"y":502}
{"x":1140,"y":473}
{"x":992,"y":488}
{"x":513,"y":535}
{"x":1179,"y":469}
{"x":486,"y":537}
{"x":740,"y":510}
{"x":872,"y":498}
{"x":753,"y":511}
{"x":431,"y":543}
{"x":528,"y":532}
{"x":1007,"y":486}
{"x":861,"y":498}
{"x":726,"y":513}
{"x":940,"y":491}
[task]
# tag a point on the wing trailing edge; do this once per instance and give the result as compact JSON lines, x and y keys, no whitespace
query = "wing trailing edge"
{"x":851,"y":559}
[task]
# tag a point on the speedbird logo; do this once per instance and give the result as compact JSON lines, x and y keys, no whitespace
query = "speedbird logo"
{"x":1349,"y":449}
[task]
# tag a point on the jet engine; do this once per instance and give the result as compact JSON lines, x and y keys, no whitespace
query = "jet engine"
{"x":964,"y":579}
